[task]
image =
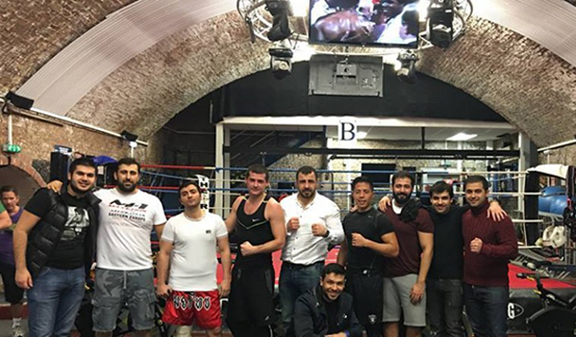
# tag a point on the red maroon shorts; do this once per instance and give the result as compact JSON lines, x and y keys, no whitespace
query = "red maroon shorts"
{"x":185,"y":308}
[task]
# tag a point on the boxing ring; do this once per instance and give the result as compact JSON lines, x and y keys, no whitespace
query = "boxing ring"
{"x":223,"y":184}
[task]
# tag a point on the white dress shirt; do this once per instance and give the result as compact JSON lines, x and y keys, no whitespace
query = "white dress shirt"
{"x":301,"y":246}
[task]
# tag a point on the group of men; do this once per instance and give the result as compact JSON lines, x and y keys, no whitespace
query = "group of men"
{"x":389,"y":262}
{"x":388,"y":258}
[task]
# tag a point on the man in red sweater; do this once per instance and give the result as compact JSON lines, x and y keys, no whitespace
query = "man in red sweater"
{"x":488,"y":247}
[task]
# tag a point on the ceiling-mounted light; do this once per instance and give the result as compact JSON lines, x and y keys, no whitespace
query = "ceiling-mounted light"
{"x":440,"y":17}
{"x":407,"y":66}
{"x":280,"y":10}
{"x":462,"y":136}
{"x":280,"y":61}
{"x":19,"y":101}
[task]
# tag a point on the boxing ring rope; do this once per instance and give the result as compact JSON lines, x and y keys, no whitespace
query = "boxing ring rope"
{"x":326,"y":187}
{"x":339,"y":190}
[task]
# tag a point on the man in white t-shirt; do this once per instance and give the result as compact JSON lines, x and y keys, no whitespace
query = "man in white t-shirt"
{"x":124,"y":272}
{"x":188,"y":250}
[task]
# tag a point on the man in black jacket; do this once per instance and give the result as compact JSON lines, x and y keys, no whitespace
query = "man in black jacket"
{"x":54,"y":243}
{"x":326,"y":310}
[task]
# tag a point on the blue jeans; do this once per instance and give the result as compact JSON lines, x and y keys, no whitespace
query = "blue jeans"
{"x":487,"y":310}
{"x":54,"y":300}
{"x":444,"y":301}
{"x":294,"y":281}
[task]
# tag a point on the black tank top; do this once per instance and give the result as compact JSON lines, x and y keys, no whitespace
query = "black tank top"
{"x":255,"y":229}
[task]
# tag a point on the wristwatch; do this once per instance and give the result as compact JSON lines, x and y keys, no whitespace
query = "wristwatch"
{"x":326,"y":234}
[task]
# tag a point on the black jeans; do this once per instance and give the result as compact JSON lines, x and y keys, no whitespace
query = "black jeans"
{"x":487,"y":310}
{"x":367,"y":289}
{"x":444,"y":306}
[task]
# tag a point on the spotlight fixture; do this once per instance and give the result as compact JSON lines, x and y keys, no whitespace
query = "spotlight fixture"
{"x":280,"y":10}
{"x":407,"y":71}
{"x":280,"y":61}
{"x":439,"y":30}
{"x":129,"y":136}
{"x":19,"y":101}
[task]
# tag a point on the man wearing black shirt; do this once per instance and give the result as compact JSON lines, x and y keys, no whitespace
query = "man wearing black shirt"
{"x":325,"y":311}
{"x":54,"y":244}
{"x":444,"y":283}
{"x":369,"y":237}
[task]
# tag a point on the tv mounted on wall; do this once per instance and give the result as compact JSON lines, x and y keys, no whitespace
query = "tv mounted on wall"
{"x":376,"y":23}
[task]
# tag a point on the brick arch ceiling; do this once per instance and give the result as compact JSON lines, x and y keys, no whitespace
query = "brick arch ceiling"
{"x":529,"y":81}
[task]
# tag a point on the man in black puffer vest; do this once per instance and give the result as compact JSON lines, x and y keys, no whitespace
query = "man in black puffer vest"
{"x":326,"y":311}
{"x":54,"y":245}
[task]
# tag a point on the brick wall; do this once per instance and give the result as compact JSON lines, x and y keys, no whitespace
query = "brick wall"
{"x":34,"y":31}
{"x":38,"y":138}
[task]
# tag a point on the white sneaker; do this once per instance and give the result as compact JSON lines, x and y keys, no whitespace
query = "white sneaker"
{"x":17,"y":332}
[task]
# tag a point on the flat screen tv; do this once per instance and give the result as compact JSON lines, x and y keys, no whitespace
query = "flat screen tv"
{"x":375,"y":23}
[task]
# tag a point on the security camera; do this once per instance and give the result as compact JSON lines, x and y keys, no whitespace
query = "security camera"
{"x":440,"y":31}
{"x":280,"y":10}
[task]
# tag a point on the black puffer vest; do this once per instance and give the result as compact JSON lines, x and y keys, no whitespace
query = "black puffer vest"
{"x":46,"y":234}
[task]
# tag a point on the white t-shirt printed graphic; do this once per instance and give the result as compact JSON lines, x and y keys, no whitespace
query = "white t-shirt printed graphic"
{"x":194,"y":261}
{"x":126,"y":222}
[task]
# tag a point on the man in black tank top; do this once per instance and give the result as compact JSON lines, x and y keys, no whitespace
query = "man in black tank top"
{"x":259,"y":224}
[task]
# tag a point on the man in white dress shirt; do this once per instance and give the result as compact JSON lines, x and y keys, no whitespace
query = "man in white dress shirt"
{"x":313,"y":223}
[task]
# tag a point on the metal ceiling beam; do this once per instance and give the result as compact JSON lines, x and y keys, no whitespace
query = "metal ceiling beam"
{"x":366,"y":153}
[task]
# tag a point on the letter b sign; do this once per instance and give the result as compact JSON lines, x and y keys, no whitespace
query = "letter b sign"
{"x":347,"y":131}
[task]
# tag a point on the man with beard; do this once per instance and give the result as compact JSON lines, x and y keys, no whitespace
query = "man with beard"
{"x":124,"y":272}
{"x":313,"y":223}
{"x":54,"y":248}
{"x":259,"y":225}
{"x":405,"y":275}
{"x":488,"y":248}
{"x":369,"y":238}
